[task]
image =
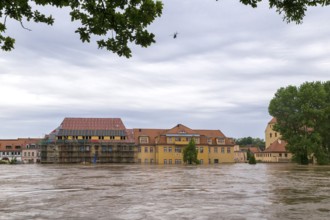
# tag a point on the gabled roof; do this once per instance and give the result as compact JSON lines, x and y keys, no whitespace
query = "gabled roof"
{"x":92,"y":124}
{"x":277,"y":146}
{"x":179,"y":129}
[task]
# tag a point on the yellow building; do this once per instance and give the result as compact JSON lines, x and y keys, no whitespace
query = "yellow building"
{"x":163,"y":146}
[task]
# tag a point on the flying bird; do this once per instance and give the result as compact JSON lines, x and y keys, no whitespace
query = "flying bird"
{"x":175,"y":35}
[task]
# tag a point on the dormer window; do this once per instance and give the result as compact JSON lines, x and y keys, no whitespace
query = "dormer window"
{"x":209,"y":140}
{"x":220,"y":141}
{"x":144,"y":140}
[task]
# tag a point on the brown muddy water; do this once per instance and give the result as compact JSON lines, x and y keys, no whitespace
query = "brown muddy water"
{"x":231,"y":191}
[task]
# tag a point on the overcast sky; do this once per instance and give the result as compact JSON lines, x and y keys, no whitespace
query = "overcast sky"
{"x":220,"y":73}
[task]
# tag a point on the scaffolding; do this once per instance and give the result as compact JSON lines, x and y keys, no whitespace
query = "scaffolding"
{"x":87,"y":151}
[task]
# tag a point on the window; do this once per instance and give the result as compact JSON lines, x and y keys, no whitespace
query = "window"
{"x":151,"y":149}
{"x":110,"y":148}
{"x":222,"y":150}
{"x":24,"y":154}
{"x":178,"y":149}
{"x":101,"y":137}
{"x":32,"y":154}
{"x":28,"y":154}
{"x":177,"y":161}
{"x":228,"y":150}
{"x":270,"y":135}
{"x":216,"y":160}
{"x":139,"y":149}
{"x":220,"y":141}
{"x":17,"y":147}
{"x":201,"y":150}
{"x":165,"y":161}
{"x":169,"y":149}
{"x":280,"y":154}
{"x":145,"y":160}
{"x":151,"y":160}
{"x":177,"y":139}
{"x":285,"y":155}
{"x":170,"y":161}
{"x":275,"y":134}
{"x":169,"y":140}
{"x":165,"y":149}
{"x":215,"y":149}
{"x":8,"y":147}
{"x":209,"y":149}
{"x":146,"y":149}
{"x":144,"y":140}
{"x":122,"y":137}
{"x":112,"y":137}
{"x":209,"y":140}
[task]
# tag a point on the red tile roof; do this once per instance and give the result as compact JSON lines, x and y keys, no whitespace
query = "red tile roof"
{"x":92,"y":124}
{"x":160,"y":134}
{"x":277,"y":146}
{"x":23,"y":142}
{"x":179,"y":128}
{"x":151,"y":133}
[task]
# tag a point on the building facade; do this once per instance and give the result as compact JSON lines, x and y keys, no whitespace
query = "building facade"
{"x":165,"y":146}
{"x":89,"y":140}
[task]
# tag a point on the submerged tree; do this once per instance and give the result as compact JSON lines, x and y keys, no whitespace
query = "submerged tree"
{"x":252,"y":159}
{"x":190,"y":153}
{"x":119,"y":23}
{"x":303,"y":119}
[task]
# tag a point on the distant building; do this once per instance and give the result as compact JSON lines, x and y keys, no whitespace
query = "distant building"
{"x":165,"y":146}
{"x":241,"y":152}
{"x":275,"y":147}
{"x":88,"y":140}
{"x":24,"y":150}
{"x":276,"y":152}
{"x":239,"y":155}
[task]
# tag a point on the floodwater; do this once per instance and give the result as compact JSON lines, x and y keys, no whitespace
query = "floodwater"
{"x":230,"y":191}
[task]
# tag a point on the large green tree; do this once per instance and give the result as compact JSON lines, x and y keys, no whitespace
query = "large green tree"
{"x":303,"y":119}
{"x":119,"y":22}
{"x":190,"y":153}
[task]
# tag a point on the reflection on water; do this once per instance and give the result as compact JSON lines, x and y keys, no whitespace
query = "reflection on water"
{"x":233,"y":191}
